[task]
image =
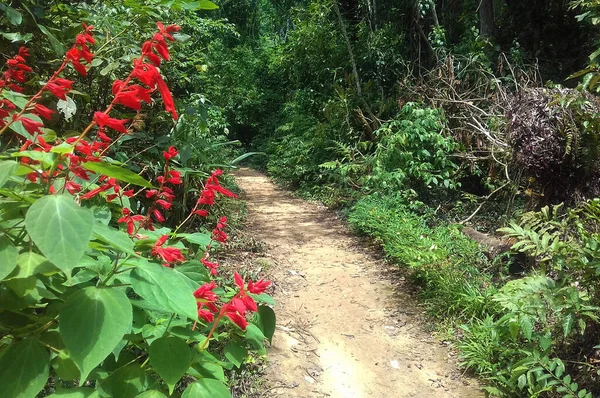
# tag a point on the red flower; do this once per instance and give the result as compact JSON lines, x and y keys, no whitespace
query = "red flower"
{"x":164,"y":204}
{"x":239,"y":281}
{"x":31,"y":126}
{"x":59,"y":87}
{"x":211,"y":266}
{"x":201,"y":213}
{"x":235,"y":317}
{"x":205,"y":297}
{"x":167,"y":254}
{"x":72,"y":187}
{"x":170,"y":153}
{"x":102,"y":119}
{"x":130,"y":220}
{"x":43,"y":111}
{"x":258,"y":287}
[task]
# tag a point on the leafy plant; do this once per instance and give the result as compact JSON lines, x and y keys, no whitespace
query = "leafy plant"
{"x":97,"y":298}
{"x":413,"y":152}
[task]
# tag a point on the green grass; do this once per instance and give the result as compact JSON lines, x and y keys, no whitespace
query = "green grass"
{"x":445,"y":263}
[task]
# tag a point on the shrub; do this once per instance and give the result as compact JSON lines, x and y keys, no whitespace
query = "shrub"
{"x":96,"y":296}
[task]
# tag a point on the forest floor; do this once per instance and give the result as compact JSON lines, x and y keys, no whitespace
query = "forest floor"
{"x":347,"y":324}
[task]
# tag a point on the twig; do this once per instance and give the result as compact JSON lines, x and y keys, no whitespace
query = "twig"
{"x":481,"y":204}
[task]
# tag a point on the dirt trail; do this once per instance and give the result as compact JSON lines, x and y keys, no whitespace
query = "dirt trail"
{"x":344,"y":329}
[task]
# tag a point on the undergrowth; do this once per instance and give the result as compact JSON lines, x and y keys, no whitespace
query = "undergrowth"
{"x":512,"y":331}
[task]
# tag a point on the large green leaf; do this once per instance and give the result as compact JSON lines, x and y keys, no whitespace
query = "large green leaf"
{"x":61,"y":229}
{"x":202,"y":239}
{"x":119,"y":240}
{"x":117,"y":172}
{"x":125,"y":382}
{"x":24,"y":369}
{"x":166,"y":288}
{"x":206,"y":388}
{"x":8,"y":257}
{"x":151,"y":394}
{"x":235,"y":352}
{"x":30,"y":263}
{"x":92,"y":323}
{"x":54,"y":42}
{"x":13,"y":16}
{"x":7,"y":169}
{"x":255,"y":336}
{"x":265,"y":320}
{"x":198,"y":5}
{"x":170,"y":357}
{"x":79,"y":392}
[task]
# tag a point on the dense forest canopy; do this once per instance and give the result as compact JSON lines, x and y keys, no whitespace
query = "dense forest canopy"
{"x":415,"y":118}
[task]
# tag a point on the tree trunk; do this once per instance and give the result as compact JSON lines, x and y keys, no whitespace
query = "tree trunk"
{"x":363,"y":102}
{"x":487,"y":22}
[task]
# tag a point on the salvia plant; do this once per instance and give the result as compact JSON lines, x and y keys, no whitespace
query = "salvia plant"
{"x":97,"y":299}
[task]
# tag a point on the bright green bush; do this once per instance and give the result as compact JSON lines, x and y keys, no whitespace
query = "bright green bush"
{"x":413,"y":152}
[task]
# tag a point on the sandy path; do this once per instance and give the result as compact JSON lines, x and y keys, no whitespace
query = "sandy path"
{"x":344,"y":329}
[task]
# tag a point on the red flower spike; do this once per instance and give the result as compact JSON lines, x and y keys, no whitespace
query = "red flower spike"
{"x":258,"y":287}
{"x":239,"y":281}
{"x":170,"y":153}
{"x":158,"y":216}
{"x":168,"y":254}
{"x":43,"y":111}
{"x":31,"y":126}
{"x":102,"y":120}
{"x":211,"y":266}
{"x":59,"y":87}
{"x":237,"y":319}
{"x":72,"y":187}
{"x":250,"y":303}
{"x":130,"y":220}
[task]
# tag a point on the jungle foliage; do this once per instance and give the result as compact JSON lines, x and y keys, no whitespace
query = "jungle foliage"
{"x":415,"y":117}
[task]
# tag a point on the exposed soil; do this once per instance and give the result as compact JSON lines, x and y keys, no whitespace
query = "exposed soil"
{"x":345,"y":328}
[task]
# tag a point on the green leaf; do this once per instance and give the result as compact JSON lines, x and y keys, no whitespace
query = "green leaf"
{"x":198,"y":5}
{"x":526,"y":327}
{"x":79,"y":392}
{"x":7,"y":169}
{"x":568,"y":324}
{"x":60,"y":229}
{"x":30,"y":263}
{"x":64,"y":367}
{"x":198,"y":238}
{"x":125,"y":382}
{"x":246,"y":155}
{"x":209,"y":370}
{"x":24,"y":369}
{"x":255,"y":336}
{"x":13,"y":16}
{"x":15,"y":37}
{"x":109,"y":68}
{"x":165,"y":288}
{"x":57,"y":46}
{"x":170,"y":357}
{"x":151,"y":394}
{"x":265,"y":320}
{"x":263,"y":298}
{"x":8,"y":257}
{"x":119,"y":240}
{"x":117,"y":172}
{"x":235,"y":352}
{"x":206,"y":388}
{"x":522,"y":381}
{"x":92,"y":323}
